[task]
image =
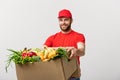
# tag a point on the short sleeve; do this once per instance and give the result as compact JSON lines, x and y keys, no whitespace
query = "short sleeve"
{"x":81,"y":38}
{"x":49,"y":41}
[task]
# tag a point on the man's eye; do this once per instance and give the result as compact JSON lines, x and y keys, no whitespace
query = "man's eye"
{"x":60,"y":19}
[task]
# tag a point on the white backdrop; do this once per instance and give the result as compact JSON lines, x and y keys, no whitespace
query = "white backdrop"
{"x":27,"y":23}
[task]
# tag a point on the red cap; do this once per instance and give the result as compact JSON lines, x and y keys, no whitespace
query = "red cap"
{"x":65,"y":13}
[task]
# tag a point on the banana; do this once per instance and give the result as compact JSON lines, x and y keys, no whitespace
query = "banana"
{"x":52,"y":53}
{"x":41,"y":55}
{"x":47,"y":53}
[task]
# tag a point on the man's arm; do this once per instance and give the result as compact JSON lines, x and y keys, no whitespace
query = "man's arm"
{"x":81,"y":49}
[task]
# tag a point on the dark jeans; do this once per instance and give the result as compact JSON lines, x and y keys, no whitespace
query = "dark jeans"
{"x":74,"y":79}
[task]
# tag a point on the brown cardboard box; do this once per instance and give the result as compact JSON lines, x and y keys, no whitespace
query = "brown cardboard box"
{"x":58,"y":69}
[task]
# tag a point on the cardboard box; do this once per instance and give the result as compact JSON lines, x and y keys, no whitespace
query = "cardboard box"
{"x":58,"y":69}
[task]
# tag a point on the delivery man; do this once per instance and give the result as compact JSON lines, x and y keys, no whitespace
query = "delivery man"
{"x":68,"y":38}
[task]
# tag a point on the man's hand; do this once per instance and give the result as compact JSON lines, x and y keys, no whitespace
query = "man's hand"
{"x":80,"y":51}
{"x":72,"y":51}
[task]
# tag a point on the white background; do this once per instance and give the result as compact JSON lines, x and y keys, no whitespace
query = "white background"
{"x":27,"y":23}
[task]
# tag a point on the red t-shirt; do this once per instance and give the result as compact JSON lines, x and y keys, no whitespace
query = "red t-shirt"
{"x":65,"y":40}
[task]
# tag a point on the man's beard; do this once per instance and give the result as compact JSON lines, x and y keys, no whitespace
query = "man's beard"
{"x":66,"y":29}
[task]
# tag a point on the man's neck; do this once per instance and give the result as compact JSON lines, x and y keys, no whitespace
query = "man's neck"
{"x":66,"y":32}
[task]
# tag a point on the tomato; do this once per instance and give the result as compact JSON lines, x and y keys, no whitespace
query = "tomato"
{"x":30,"y":54}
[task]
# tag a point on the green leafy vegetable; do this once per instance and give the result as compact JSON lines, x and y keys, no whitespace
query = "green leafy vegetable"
{"x":62,"y":53}
{"x":17,"y":58}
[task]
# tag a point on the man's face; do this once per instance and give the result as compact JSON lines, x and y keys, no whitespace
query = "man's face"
{"x":65,"y":24}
